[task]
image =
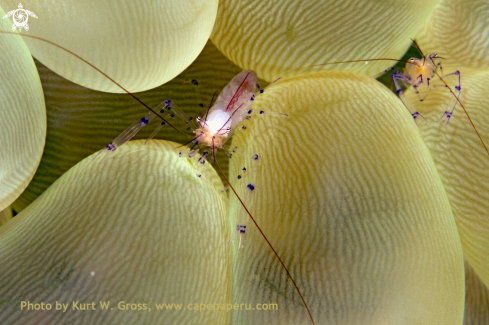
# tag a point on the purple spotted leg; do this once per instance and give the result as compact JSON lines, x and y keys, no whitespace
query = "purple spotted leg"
{"x":448,"y":114}
{"x":171,"y":108}
{"x":419,"y":83}
{"x":399,"y":76}
{"x":240,"y":229}
{"x":127,"y":134}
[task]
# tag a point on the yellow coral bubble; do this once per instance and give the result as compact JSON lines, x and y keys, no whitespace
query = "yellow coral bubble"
{"x":462,"y":161}
{"x":350,"y":197}
{"x":5,"y":215}
{"x":141,"y":45}
{"x":142,"y":228}
{"x":476,"y":298}
{"x":23,"y":117}
{"x":459,"y":32}
{"x":274,"y":38}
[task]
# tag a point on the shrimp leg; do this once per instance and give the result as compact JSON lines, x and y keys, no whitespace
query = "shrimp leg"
{"x":448,"y":114}
{"x":409,"y":105}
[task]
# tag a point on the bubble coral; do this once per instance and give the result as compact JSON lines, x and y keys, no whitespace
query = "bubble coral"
{"x":372,"y":215}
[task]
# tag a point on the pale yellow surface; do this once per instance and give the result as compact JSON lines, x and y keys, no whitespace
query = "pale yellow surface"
{"x":5,"y":215}
{"x":142,"y":228}
{"x":476,"y":299}
{"x":274,"y":38}
{"x":23,"y":117}
{"x":347,"y":192}
{"x":462,"y":162}
{"x":140,"y":44}
{"x":458,"y":30}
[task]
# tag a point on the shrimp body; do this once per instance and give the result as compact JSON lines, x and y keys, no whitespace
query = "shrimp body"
{"x":420,"y":69}
{"x":228,"y":111}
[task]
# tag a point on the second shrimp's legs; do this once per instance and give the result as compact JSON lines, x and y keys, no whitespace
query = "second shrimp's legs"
{"x":448,"y":114}
{"x":399,"y":76}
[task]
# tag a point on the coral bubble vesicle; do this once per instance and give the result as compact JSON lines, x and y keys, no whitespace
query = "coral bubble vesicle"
{"x":462,"y":161}
{"x":458,"y":30}
{"x":140,"y":44}
{"x":23,"y":116}
{"x":350,"y":197}
{"x":276,"y":38}
{"x":142,"y":228}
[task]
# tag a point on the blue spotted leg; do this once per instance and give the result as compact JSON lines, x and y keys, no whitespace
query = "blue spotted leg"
{"x":126,"y":135}
{"x":195,"y":84}
{"x":398,"y":76}
{"x":241,"y":230}
{"x":448,"y":114}
{"x":173,"y":110}
{"x":131,"y":131}
{"x":189,"y":121}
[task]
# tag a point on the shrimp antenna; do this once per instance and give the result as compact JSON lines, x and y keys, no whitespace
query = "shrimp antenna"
{"x":417,"y":46}
{"x":363,"y":60}
{"x":366,"y":60}
{"x":208,"y":107}
{"x":420,"y":52}
{"x":99,"y":71}
{"x":266,"y":239}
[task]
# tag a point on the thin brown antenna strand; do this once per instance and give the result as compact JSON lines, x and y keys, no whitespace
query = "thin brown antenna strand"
{"x":417,"y":46}
{"x":208,"y":107}
{"x":99,"y":71}
{"x":266,"y":239}
{"x":353,"y":61}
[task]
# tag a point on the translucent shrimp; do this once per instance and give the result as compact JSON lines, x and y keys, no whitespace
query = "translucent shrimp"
{"x":421,"y":72}
{"x":418,"y":73}
{"x":427,"y":69}
{"x":221,"y":120}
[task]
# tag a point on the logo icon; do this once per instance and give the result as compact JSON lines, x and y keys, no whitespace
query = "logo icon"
{"x":20,"y":17}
